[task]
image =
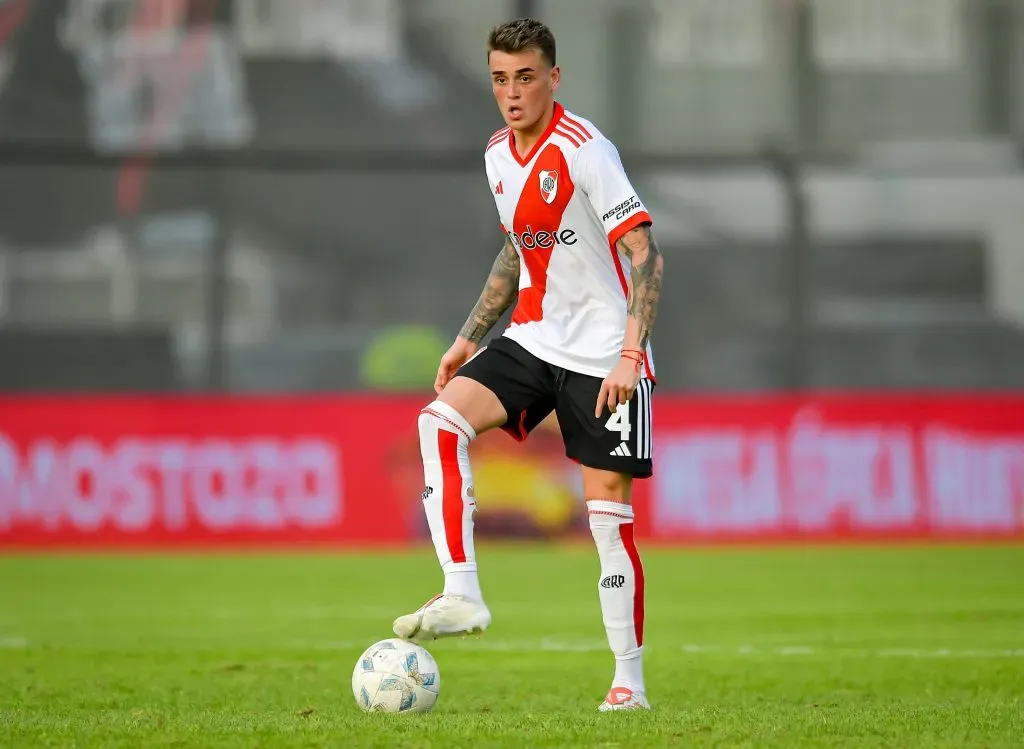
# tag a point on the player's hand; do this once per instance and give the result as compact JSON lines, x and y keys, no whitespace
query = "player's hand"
{"x":455,"y":357}
{"x":619,"y":386}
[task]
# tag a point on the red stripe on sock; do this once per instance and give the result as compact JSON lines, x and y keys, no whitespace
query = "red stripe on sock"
{"x":451,"y":493}
{"x":612,"y":514}
{"x":445,"y":419}
{"x":626,"y":534}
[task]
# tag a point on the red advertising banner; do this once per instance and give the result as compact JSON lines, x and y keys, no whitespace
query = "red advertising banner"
{"x":344,"y":471}
{"x":834,"y":467}
{"x":181,"y":470}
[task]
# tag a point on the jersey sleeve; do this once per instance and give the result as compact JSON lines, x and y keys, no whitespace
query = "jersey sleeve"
{"x":600,"y":173}
{"x":493,"y":180}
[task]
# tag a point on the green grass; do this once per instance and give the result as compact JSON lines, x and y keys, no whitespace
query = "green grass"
{"x":895,"y":647}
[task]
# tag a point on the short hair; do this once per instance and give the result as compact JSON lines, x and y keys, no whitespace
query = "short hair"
{"x":522,"y":34}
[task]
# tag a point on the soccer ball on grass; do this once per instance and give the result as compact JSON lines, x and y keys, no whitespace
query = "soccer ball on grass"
{"x":395,"y":676}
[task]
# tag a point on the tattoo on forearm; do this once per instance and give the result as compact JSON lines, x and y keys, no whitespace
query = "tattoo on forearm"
{"x":645,"y":278}
{"x":499,"y":293}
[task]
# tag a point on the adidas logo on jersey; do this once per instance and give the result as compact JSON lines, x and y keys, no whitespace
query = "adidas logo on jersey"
{"x":622,"y":451}
{"x":500,"y":189}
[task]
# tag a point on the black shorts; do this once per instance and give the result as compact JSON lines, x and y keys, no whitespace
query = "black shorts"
{"x":530,"y":389}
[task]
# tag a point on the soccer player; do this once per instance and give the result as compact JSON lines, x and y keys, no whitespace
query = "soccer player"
{"x":580,"y":257}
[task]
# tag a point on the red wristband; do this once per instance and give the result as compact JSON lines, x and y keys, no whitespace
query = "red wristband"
{"x":638,"y":360}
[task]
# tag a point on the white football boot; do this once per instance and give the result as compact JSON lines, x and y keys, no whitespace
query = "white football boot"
{"x":443,"y":616}
{"x":621,"y":698}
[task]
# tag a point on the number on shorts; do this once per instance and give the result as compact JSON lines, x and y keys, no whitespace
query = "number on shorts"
{"x":619,"y":421}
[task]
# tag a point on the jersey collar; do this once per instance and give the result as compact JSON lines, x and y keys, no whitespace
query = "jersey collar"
{"x":555,"y":117}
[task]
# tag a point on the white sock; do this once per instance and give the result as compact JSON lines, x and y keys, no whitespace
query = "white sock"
{"x":460,"y":582}
{"x":621,"y":588}
{"x":448,"y":499}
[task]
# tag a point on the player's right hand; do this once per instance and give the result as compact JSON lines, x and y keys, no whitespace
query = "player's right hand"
{"x":459,"y":353}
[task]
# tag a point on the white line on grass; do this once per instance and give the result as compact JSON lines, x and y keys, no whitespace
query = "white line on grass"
{"x":904,"y":652}
{"x":313,"y":645}
{"x":555,"y":646}
{"x":302,"y":613}
{"x":550,"y":645}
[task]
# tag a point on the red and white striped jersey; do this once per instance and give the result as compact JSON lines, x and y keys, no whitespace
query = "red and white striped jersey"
{"x":564,"y":206}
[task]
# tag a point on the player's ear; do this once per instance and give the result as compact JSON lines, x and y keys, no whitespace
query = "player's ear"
{"x":556,"y":78}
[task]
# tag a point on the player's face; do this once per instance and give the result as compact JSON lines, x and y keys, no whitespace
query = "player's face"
{"x":524,"y":86}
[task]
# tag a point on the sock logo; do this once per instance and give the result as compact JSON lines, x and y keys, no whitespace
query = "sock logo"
{"x":426,"y":493}
{"x":613,"y":581}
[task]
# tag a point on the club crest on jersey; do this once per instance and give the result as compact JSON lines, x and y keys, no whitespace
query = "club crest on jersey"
{"x":548,"y":185}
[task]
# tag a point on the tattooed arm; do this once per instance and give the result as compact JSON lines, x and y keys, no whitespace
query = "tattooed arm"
{"x":498,"y":295}
{"x":644,"y":288}
{"x":644,"y":284}
{"x":501,"y":290}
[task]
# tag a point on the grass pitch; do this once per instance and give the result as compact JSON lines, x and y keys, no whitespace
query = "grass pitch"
{"x":896,"y":647}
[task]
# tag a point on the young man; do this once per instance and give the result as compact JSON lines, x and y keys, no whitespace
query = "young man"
{"x":580,"y":256}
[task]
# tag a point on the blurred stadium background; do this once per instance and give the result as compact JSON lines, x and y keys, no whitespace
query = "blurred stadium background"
{"x":233,"y":230}
{"x":236,"y":236}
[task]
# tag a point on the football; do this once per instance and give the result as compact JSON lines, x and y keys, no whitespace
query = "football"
{"x":395,"y":676}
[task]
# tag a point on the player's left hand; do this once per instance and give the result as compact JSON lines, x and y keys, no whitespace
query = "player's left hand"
{"x":619,"y":386}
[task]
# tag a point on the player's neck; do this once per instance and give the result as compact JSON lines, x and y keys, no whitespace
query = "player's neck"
{"x":525,"y":140}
